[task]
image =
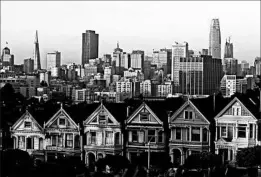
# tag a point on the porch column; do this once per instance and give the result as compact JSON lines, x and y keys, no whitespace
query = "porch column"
{"x":228,"y":154}
{"x":256,"y":133}
{"x":113,"y":138}
{"x":201,"y":134}
{"x":64,"y":135}
{"x":25,"y":144}
{"x":236,"y":130}
{"x":17,"y":142}
{"x":190,"y":133}
{"x":73,"y":141}
{"x":247,"y":131}
{"x":14,"y":142}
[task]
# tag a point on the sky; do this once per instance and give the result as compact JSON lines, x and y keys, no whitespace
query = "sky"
{"x":144,"y":25}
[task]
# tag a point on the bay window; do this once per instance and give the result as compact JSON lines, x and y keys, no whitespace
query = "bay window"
{"x":178,"y":133}
{"x":241,"y":130}
{"x":69,"y":140}
{"x":195,"y":134}
{"x":151,"y":136}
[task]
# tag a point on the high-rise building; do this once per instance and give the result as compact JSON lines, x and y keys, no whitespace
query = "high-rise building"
{"x":29,"y":65}
{"x":257,"y":65}
{"x":215,"y":39}
{"x":228,"y":53}
{"x":90,"y":46}
{"x":137,"y":59}
{"x":178,"y":51}
{"x":162,"y":59}
{"x":7,"y":59}
{"x":230,"y":66}
{"x":53,"y":59}
{"x":37,"y":61}
{"x":228,"y":85}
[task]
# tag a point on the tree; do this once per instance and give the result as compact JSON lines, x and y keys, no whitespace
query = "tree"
{"x":249,"y":157}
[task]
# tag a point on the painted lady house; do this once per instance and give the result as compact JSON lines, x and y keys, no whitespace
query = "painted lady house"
{"x":237,"y":127}
{"x":146,"y":129}
{"x":28,"y":134}
{"x":103,"y":131}
{"x":62,"y":136}
{"x":191,"y":127}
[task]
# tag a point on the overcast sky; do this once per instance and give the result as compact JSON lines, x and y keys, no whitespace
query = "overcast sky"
{"x":136,"y":25}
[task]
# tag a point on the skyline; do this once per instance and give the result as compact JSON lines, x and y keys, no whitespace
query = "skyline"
{"x":155,"y":32}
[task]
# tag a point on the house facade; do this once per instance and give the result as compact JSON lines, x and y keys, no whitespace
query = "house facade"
{"x":27,"y":134}
{"x":62,"y":136}
{"x":189,"y":133}
{"x":145,"y":132}
{"x":103,"y":133}
{"x":236,"y":128}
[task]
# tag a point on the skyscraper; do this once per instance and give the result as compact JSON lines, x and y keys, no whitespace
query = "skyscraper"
{"x":90,"y":46}
{"x":7,"y":59}
{"x":53,"y":60}
{"x":215,"y":39}
{"x":137,"y":59}
{"x":28,"y":65}
{"x":178,"y":51}
{"x":228,"y":49}
{"x":37,"y":61}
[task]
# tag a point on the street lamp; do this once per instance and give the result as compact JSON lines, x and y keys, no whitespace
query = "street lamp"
{"x":149,"y":150}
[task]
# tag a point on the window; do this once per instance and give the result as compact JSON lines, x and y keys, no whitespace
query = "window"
{"x":69,"y":140}
{"x":62,"y":121}
{"x":236,"y":111}
{"x":21,"y":142}
{"x":205,"y":135}
{"x":188,"y":115}
{"x":102,"y":119}
{"x":224,"y":132}
{"x":141,"y":136}
{"x":144,"y":117}
{"x":241,"y":130}
{"x":108,"y":137}
{"x":178,"y":133}
{"x":188,"y":134}
{"x":60,"y":140}
{"x":27,"y":124}
{"x":151,"y":136}
{"x":93,"y":137}
{"x":54,"y":143}
{"x":160,"y":136}
{"x":134,"y":136}
{"x":117,"y":138}
{"x":251,"y":131}
{"x":195,"y":134}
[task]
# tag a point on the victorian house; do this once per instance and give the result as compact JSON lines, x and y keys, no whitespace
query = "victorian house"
{"x":190,"y":128}
{"x":147,"y":128}
{"x":62,"y":136}
{"x":237,"y":127}
{"x":103,"y":130}
{"x":28,"y":134}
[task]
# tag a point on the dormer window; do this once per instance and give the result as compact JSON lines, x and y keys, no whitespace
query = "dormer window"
{"x":236,"y":110}
{"x":102,"y":119}
{"x":27,"y":124}
{"x":61,"y":121}
{"x":144,"y":117}
{"x":188,"y":115}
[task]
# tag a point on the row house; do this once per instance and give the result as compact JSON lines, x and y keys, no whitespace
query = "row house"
{"x":59,"y":137}
{"x":103,"y":131}
{"x":173,"y":126}
{"x":147,"y":128}
{"x":237,"y":127}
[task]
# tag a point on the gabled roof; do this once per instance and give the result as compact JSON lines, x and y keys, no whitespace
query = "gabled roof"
{"x":55,"y":116}
{"x":207,"y":107}
{"x":27,"y":113}
{"x":142,"y":106}
{"x":160,"y":108}
{"x":246,"y":103}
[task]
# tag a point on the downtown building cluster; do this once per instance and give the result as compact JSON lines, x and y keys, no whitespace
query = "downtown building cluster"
{"x":172,"y":71}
